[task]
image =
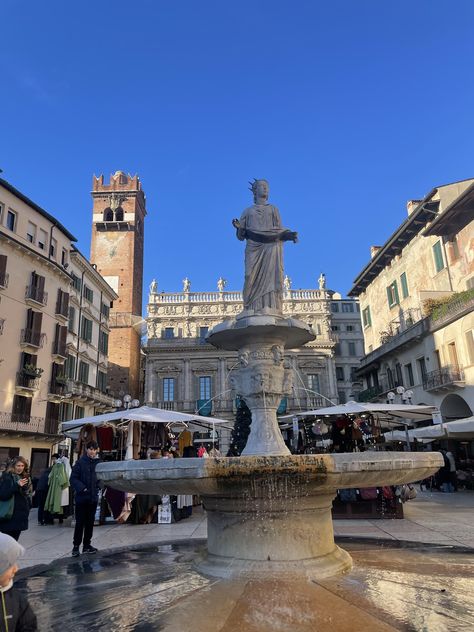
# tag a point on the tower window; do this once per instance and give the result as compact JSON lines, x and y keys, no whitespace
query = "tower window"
{"x":119,"y":214}
{"x":108,"y":215}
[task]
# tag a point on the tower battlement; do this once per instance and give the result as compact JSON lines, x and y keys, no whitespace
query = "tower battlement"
{"x":119,"y":181}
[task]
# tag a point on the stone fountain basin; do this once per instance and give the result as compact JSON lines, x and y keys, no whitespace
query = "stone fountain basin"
{"x":270,"y":514}
{"x":252,"y":475}
{"x":234,"y":333}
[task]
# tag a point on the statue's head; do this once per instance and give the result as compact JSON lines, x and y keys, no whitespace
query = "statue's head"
{"x":260,"y":189}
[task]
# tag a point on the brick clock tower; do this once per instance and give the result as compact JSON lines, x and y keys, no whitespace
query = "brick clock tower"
{"x":117,"y":251}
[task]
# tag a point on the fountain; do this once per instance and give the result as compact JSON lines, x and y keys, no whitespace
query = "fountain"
{"x":269,"y":512}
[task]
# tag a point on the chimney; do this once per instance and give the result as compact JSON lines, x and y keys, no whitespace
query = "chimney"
{"x":411,"y":205}
{"x":374,"y":250}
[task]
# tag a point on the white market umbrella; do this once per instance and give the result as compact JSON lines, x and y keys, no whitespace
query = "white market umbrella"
{"x":147,"y":414}
{"x":402,"y":411}
{"x":461,"y":428}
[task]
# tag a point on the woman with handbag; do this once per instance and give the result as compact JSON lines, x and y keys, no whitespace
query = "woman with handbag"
{"x":15,"y":498}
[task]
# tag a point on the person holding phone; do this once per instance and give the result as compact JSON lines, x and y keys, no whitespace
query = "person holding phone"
{"x":16,"y":483}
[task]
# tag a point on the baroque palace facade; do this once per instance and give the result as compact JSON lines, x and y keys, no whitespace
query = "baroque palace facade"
{"x":183,"y":372}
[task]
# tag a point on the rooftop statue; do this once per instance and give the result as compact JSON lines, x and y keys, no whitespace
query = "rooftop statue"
{"x":260,"y":225}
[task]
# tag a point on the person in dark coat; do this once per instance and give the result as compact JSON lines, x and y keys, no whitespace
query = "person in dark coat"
{"x":16,"y":614}
{"x":84,"y":482}
{"x":42,"y":491}
{"x":16,"y":483}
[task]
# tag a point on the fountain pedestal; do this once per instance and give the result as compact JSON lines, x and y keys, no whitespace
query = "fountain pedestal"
{"x":261,"y":380}
{"x":270,"y":513}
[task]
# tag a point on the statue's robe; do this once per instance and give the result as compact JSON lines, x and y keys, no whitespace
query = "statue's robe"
{"x":260,"y":224}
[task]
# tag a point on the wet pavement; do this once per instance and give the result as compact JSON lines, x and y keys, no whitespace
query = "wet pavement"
{"x":430,"y":517}
{"x":415,"y":574}
{"x":393,"y":586}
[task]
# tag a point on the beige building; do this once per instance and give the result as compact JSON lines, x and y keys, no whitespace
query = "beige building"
{"x":184,"y":372}
{"x":417,"y":297}
{"x":54,"y":315}
{"x":34,"y":305}
{"x":84,"y":385}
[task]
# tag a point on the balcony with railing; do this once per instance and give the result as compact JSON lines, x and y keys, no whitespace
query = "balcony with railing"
{"x":408,"y":328}
{"x":81,"y":392}
{"x":32,"y":338}
{"x":165,"y":298}
{"x":447,"y":378}
{"x":57,"y":390}
{"x":450,"y":309}
{"x":20,"y":422}
{"x":59,"y":351}
{"x":36,"y":295}
{"x":26,"y":383}
{"x":4,"y":278}
{"x":369,"y":394}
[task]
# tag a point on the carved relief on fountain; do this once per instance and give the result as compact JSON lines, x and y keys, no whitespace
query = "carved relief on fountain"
{"x":262,"y":378}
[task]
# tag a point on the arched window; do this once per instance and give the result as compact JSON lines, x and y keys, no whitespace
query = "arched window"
{"x":108,"y":215}
{"x":119,"y":214}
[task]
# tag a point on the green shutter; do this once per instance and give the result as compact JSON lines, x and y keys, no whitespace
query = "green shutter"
{"x":404,"y":284}
{"x":438,"y":256}
{"x":395,"y":288}
{"x":366,"y":317}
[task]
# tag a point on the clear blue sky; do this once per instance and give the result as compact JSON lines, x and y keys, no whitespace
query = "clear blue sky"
{"x":348,"y":108}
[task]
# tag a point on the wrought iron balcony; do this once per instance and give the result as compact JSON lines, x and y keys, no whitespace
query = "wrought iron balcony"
{"x":20,"y":422}
{"x":35,"y":294}
{"x":26,"y":384}
{"x":59,"y":349}
{"x":370,"y":393}
{"x":458,"y":305}
{"x":446,"y":378}
{"x":395,"y":338}
{"x":32,"y":338}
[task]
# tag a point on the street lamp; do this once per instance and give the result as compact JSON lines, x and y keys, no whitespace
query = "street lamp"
{"x":127,"y":402}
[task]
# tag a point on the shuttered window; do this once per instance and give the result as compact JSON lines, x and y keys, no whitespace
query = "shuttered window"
{"x":438,"y":256}
{"x":86,"y":329}
{"x":62,"y":303}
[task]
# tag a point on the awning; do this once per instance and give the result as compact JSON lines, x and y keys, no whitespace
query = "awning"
{"x":147,"y":414}
{"x":401,"y":411}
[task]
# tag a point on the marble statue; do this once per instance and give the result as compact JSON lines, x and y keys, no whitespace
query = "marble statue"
{"x":260,"y":225}
{"x":221,"y":283}
{"x":322,"y":281}
{"x":153,"y":287}
{"x":287,"y":283}
{"x":186,"y":285}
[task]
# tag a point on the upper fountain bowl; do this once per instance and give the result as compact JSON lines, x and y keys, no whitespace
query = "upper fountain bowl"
{"x":262,"y":329}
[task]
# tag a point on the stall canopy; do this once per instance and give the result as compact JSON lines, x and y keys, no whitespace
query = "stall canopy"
{"x":399,"y":411}
{"x":147,"y":414}
{"x":459,"y":429}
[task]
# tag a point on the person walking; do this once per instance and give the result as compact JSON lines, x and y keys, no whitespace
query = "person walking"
{"x":16,"y":484}
{"x":41,"y":493}
{"x":84,"y":482}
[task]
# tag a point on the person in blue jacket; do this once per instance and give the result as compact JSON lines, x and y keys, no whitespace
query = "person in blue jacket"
{"x":84,"y":482}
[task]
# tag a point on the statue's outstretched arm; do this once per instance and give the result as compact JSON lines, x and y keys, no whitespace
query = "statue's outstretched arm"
{"x":240,"y":231}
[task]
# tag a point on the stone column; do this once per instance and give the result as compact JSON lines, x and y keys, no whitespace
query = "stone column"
{"x":187,"y":381}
